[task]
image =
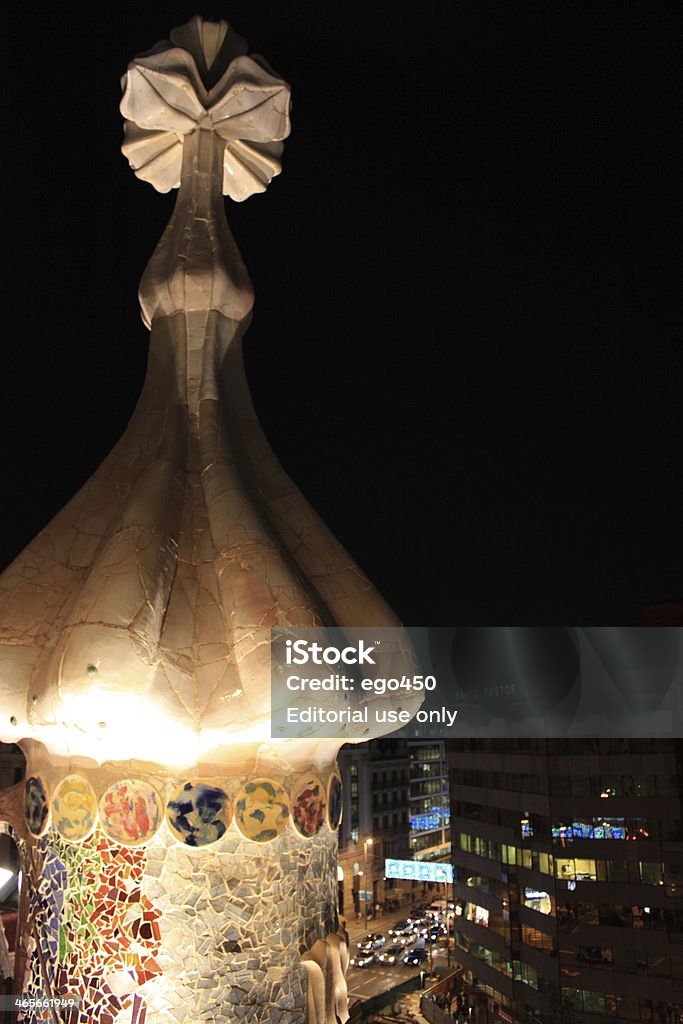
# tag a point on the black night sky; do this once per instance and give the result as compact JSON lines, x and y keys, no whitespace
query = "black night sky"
{"x":464,"y":346}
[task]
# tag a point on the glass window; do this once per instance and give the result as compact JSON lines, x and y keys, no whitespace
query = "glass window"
{"x":615,"y":916}
{"x":672,"y":829}
{"x":545,"y":863}
{"x":587,"y":913}
{"x":571,"y":999}
{"x":559,"y":785}
{"x":659,"y":965}
{"x":629,"y":1008}
{"x":624,"y":960}
{"x":676,"y":966}
{"x":585,"y":870}
{"x":673,"y":874}
{"x":613,"y":785}
{"x":667,"y":785}
{"x":609,"y":828}
{"x":537,"y":899}
{"x":567,"y":918}
{"x":617,"y":870}
{"x":564,"y":868}
{"x":596,"y":956}
{"x":579,"y":785}
{"x":612,"y":1005}
{"x":593,"y":1002}
{"x":651,"y":873}
{"x":536,"y":938}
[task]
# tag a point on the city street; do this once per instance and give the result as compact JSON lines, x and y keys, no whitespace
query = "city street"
{"x":365,"y":982}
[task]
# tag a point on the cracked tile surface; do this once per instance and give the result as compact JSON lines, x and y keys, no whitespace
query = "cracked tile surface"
{"x":135,"y":630}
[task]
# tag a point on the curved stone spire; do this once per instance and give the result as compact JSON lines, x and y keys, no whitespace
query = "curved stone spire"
{"x":185,"y":860}
{"x":137,"y":624}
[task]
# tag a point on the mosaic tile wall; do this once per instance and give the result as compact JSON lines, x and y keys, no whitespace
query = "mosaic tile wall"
{"x":176,"y":931}
{"x":98,"y":933}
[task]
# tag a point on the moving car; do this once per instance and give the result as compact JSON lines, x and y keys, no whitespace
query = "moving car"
{"x":405,"y":937}
{"x":375,"y":940}
{"x":415,"y":957}
{"x":400,"y":926}
{"x":362,"y":960}
{"x":391,"y":955}
{"x":421,"y":922}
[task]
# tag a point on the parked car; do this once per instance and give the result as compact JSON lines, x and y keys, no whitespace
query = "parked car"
{"x":391,"y":955}
{"x":375,"y":940}
{"x":415,"y":957}
{"x":362,"y":959}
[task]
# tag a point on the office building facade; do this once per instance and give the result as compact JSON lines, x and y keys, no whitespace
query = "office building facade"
{"x":429,"y":810}
{"x":374,"y":825}
{"x":568,"y":863}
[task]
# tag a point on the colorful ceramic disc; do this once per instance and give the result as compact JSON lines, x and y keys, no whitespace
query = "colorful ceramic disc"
{"x":130,"y":812}
{"x":36,"y":805}
{"x":74,"y":808}
{"x":198,"y":814}
{"x":308,"y":805}
{"x":334,"y":802}
{"x":262,"y":810}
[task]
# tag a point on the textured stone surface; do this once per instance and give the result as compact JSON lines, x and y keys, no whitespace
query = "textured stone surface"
{"x":137,"y":624}
{"x":165,"y":927}
{"x":135,"y":629}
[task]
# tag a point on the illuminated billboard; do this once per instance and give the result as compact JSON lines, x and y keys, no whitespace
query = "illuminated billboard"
{"x":418,"y":870}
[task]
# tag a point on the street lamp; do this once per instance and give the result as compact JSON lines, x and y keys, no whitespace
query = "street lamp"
{"x":368,"y":842}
